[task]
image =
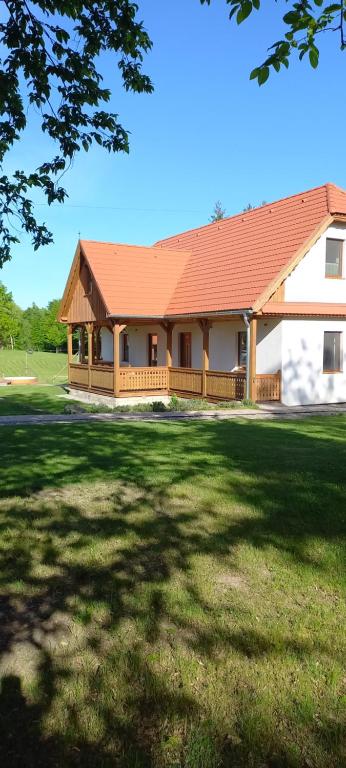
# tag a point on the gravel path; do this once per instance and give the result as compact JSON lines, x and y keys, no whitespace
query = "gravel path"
{"x":270,"y":412}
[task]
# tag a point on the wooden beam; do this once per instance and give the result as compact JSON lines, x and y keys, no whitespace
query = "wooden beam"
{"x":69,"y":343}
{"x":252,"y":352}
{"x":205,"y":326}
{"x":89,"y":327}
{"x":169,"y":344}
{"x":69,"y":349}
{"x":117,"y":328}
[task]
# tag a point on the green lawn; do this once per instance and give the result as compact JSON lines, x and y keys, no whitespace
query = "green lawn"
{"x":32,"y":399}
{"x":49,"y":367}
{"x":173,"y":595}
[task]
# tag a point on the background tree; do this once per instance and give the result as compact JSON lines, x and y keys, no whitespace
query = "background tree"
{"x":32,"y":331}
{"x":9,"y":318}
{"x":50,"y":51}
{"x":250,"y":207}
{"x":218,"y":212}
{"x":54,"y":332}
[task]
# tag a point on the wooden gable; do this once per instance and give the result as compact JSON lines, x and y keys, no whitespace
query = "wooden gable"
{"x":82,"y":301}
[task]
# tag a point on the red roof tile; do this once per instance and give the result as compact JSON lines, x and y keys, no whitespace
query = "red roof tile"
{"x":234,"y":260}
{"x":306,"y":308}
{"x":134,"y":280}
{"x":232,"y":264}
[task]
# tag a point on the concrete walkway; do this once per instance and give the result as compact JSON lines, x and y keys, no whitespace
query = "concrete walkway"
{"x":265,"y":411}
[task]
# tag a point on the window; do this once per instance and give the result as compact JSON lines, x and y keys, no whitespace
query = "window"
{"x":152,"y":350}
{"x":242,"y":348}
{"x":334,"y":250}
{"x":125,"y":347}
{"x":185,"y":350}
{"x":332,"y":350}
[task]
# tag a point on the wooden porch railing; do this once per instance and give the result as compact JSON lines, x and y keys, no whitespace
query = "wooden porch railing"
{"x":185,"y":380}
{"x":78,"y":374}
{"x":268,"y":386}
{"x":220,"y":385}
{"x":223,"y":385}
{"x":102,"y":377}
{"x":143,"y":379}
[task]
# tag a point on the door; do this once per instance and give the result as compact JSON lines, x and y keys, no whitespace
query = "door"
{"x":152,"y":350}
{"x":185,"y":350}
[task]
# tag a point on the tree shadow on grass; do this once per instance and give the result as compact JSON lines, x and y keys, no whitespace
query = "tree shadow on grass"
{"x":89,"y":575}
{"x":35,"y":399}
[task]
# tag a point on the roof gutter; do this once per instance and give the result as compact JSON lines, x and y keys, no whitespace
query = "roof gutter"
{"x":189,"y":316}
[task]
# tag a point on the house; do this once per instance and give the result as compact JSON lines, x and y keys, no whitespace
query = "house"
{"x":250,"y":306}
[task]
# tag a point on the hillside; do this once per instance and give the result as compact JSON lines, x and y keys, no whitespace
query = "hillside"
{"x":49,"y":367}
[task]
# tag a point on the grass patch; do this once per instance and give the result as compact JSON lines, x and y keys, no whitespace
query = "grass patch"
{"x":48,"y":367}
{"x":173,"y":594}
{"x":34,"y":399}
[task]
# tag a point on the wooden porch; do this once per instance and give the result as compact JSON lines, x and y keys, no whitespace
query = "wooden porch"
{"x":94,"y":375}
{"x":187,"y":382}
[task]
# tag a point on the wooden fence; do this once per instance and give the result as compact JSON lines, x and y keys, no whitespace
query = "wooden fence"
{"x":268,"y":386}
{"x":102,"y":377}
{"x":186,"y":381}
{"x":78,"y":374}
{"x":220,"y":385}
{"x":143,"y":379}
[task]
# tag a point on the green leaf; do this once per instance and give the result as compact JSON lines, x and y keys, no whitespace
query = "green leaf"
{"x":292,"y":17}
{"x":314,"y":56}
{"x":244,"y":11}
{"x":254,"y":73}
{"x":263,"y":75}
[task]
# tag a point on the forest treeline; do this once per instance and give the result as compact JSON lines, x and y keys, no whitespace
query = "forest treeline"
{"x":34,"y":328}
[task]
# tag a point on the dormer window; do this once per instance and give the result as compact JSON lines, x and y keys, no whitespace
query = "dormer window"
{"x":334,"y":249}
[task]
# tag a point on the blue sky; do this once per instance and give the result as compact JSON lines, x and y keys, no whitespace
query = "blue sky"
{"x":207,"y":133}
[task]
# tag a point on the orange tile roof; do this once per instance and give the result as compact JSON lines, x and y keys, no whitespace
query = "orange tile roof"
{"x":134,"y":280}
{"x":323,"y":309}
{"x":232,"y":264}
{"x":234,"y":260}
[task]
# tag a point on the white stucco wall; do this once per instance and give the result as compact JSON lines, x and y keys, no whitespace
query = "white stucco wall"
{"x":269,"y":343}
{"x":308,"y":282}
{"x":106,"y":345}
{"x":138,"y":344}
{"x":303,"y":380}
{"x":223,"y":345}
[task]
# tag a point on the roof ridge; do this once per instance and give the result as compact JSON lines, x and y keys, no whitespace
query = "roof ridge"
{"x":220,"y":222}
{"x":130,"y":245}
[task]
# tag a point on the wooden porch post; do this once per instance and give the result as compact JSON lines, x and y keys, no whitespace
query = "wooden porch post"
{"x":169,"y":332}
{"x":205,"y":326}
{"x":116,"y":358}
{"x":89,"y":327}
{"x":69,"y":343}
{"x":69,"y":348}
{"x":117,"y":328}
{"x":252,"y":351}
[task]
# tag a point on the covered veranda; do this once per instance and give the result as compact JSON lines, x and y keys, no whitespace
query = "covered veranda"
{"x":120,"y":378}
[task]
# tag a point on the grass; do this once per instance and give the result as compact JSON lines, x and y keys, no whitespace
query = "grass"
{"x":36,"y":399}
{"x":173,"y":595}
{"x":48,"y":367}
